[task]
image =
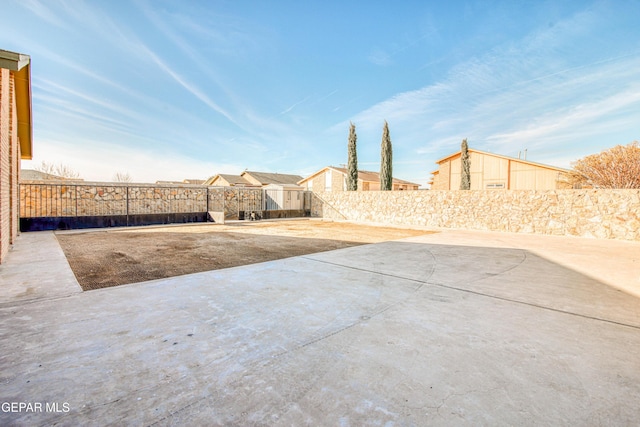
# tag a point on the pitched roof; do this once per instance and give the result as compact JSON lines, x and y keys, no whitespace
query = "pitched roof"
{"x":266,"y":178}
{"x":365,"y":176}
{"x":542,"y":165}
{"x":231,"y":179}
{"x":34,"y":175}
{"x":234,"y":179}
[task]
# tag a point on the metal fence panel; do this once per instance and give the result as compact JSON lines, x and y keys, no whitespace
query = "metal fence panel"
{"x":58,"y":199}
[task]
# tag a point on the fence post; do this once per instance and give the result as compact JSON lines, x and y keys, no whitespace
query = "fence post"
{"x":127,"y":198}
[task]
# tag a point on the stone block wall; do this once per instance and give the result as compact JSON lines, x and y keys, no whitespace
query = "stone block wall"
{"x":233,"y":200}
{"x":151,"y":199}
{"x":42,"y":199}
{"x":611,"y":214}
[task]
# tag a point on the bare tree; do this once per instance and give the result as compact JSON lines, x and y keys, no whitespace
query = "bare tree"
{"x":57,"y":170}
{"x":122,"y":177}
{"x":386,"y":160}
{"x":352,"y":174}
{"x":465,"y":165}
{"x":617,"y":167}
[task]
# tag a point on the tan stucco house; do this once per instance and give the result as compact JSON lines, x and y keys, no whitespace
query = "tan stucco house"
{"x":332,"y":178}
{"x":267,"y":178}
{"x":253,"y":179}
{"x":15,"y":139}
{"x":227,"y":180}
{"x":495,"y":171}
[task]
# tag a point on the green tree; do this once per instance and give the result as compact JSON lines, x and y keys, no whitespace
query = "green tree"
{"x":352,"y":174}
{"x":465,"y":165}
{"x":386,"y":160}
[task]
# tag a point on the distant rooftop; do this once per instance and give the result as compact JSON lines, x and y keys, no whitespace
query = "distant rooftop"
{"x":34,"y":175}
{"x":266,"y":178}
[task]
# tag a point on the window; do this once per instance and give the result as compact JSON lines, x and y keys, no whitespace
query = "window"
{"x":327,"y":181}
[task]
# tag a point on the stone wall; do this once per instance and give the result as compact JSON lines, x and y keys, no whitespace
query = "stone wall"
{"x":41,"y":199}
{"x":234,"y":200}
{"x":612,"y":214}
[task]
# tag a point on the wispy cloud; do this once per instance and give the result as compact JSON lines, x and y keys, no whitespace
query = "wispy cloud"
{"x":59,"y":89}
{"x":380,"y":57}
{"x":190,"y":87}
{"x":523,"y":94}
{"x":43,"y":11}
{"x":288,"y":109}
{"x":87,"y":157}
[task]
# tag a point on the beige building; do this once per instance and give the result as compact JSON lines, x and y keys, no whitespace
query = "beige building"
{"x":267,"y":178}
{"x":494,"y":171}
{"x":332,"y":178}
{"x":15,"y":139}
{"x":253,"y":179}
{"x":227,"y":180}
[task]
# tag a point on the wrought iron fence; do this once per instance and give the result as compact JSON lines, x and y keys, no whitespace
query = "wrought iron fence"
{"x":74,"y":200}
{"x":65,"y":200}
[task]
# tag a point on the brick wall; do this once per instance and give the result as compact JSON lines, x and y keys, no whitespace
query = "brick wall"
{"x":6,"y":102}
{"x":611,"y":214}
{"x":14,"y":161}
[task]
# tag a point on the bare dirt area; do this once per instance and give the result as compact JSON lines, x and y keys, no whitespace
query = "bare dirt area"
{"x":104,"y":258}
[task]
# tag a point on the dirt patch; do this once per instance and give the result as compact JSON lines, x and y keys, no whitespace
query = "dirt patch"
{"x":105,"y":258}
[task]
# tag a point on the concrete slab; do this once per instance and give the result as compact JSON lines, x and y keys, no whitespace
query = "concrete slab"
{"x":444,"y":329}
{"x":36,"y":269}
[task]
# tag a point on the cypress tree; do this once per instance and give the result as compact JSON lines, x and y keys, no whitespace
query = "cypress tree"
{"x":352,"y":173}
{"x":465,"y":165}
{"x":386,"y":160}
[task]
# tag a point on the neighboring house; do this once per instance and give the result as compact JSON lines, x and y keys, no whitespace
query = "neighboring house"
{"x":495,"y":171}
{"x":15,"y":139}
{"x":226,"y":180}
{"x":332,"y":178}
{"x":34,"y":175}
{"x":184,"y":181}
{"x":193,"y":181}
{"x":265,"y":178}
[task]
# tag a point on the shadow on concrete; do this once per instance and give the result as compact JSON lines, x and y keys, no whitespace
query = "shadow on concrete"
{"x":516,"y":275}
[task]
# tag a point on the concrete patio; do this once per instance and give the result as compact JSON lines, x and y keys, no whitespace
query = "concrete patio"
{"x":452,"y":328}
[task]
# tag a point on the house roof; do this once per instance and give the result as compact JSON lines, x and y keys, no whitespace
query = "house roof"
{"x":542,"y":165}
{"x":231,"y":179}
{"x":266,"y":178}
{"x":34,"y":175}
{"x":365,"y":176}
{"x":20,"y":66}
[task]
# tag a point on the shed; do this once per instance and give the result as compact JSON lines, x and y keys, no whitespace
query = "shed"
{"x":283,"y":197}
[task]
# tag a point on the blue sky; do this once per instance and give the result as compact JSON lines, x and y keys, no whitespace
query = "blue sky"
{"x":167,"y":90}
